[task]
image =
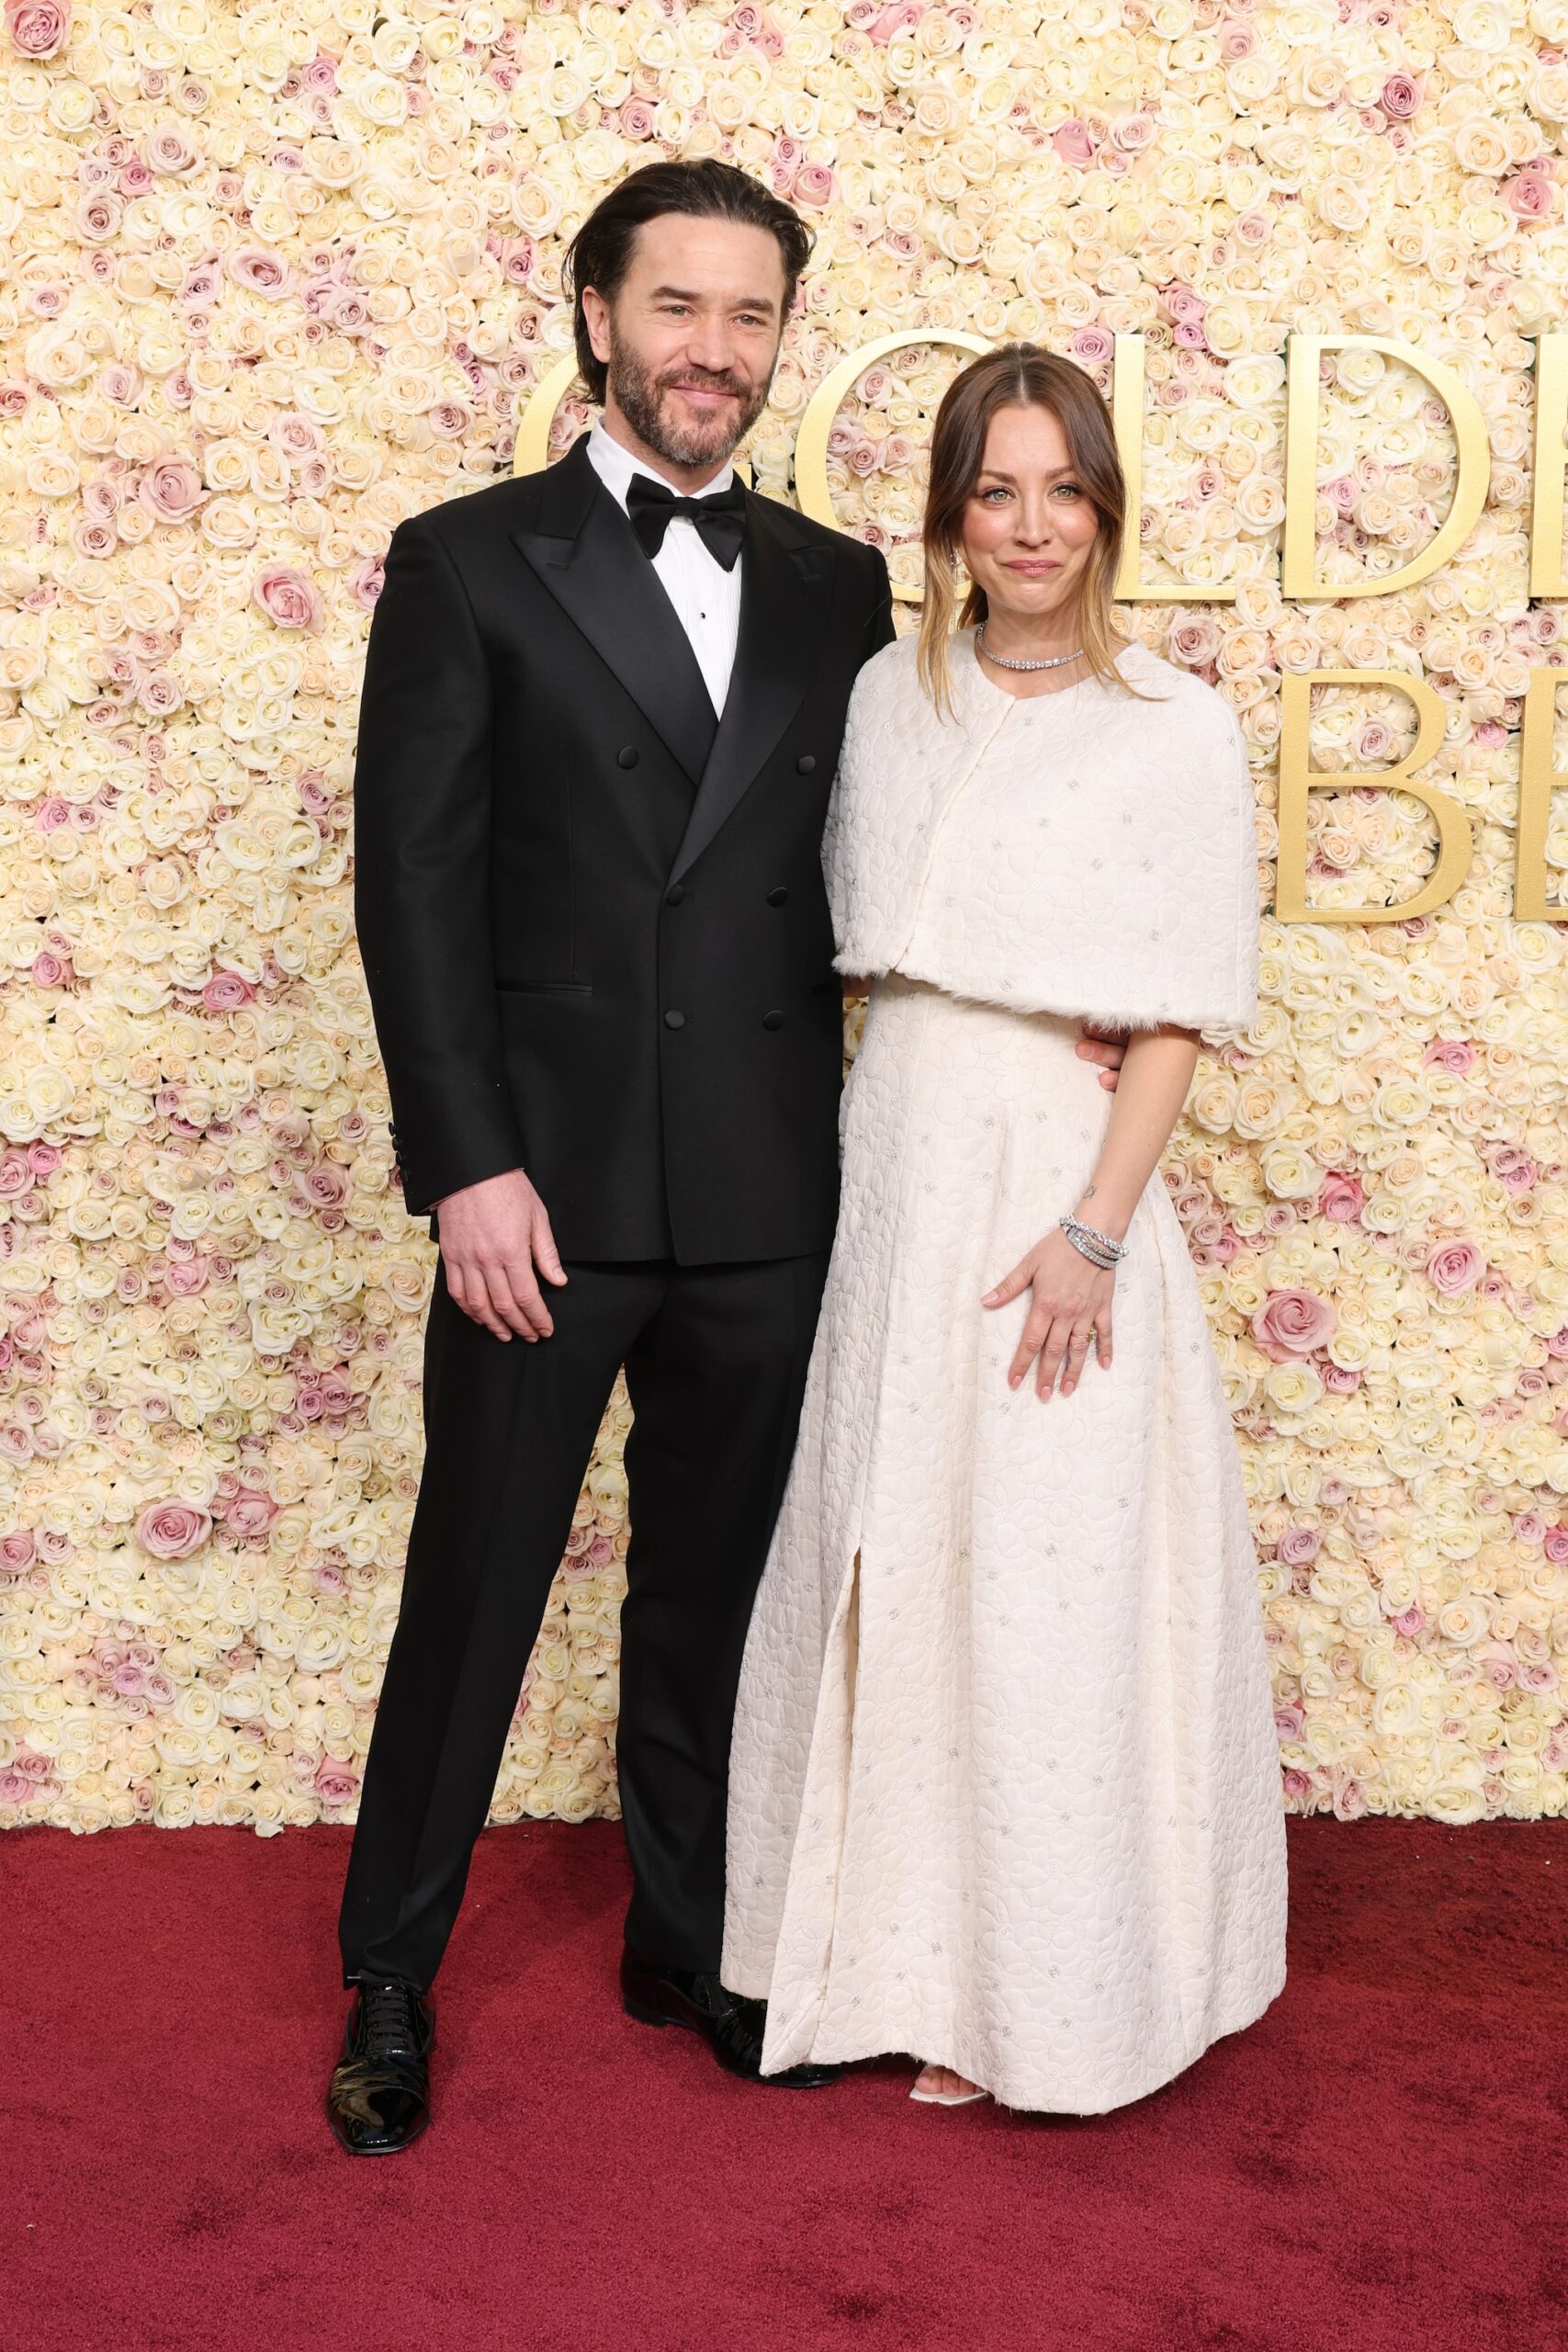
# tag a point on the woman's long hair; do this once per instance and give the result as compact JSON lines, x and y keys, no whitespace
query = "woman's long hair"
{"x":1019,"y":375}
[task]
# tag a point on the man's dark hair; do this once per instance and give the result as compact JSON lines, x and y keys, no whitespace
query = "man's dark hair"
{"x":600,"y":254}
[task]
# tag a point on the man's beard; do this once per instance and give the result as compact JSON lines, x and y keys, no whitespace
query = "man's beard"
{"x":639,"y":396}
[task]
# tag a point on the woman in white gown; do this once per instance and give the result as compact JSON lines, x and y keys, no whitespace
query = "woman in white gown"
{"x":1005,"y":1790}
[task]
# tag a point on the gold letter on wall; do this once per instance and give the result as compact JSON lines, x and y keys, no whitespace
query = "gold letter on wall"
{"x":811,"y":486}
{"x":1297,"y":779}
{"x":1299,"y":571}
{"x":1537,"y":777}
{"x":532,"y":449}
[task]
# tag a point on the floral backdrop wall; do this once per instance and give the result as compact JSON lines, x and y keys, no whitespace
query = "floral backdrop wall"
{"x":277,"y":275}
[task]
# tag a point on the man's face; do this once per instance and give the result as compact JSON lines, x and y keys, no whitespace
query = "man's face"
{"x":692,"y":336}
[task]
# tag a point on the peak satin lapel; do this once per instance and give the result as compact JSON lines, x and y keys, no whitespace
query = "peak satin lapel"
{"x":586,"y":553}
{"x":783,"y":607}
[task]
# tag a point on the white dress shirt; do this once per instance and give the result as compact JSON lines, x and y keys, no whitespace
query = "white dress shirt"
{"x":706,"y":598}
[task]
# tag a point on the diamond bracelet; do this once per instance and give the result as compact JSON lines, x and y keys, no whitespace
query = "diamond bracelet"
{"x":1097,"y":1247}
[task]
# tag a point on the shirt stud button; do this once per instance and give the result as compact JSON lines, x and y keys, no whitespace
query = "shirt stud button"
{"x":778,"y":898}
{"x":772,"y":1019}
{"x":805,"y":762}
{"x":628,"y":756}
{"x":676,"y":893}
{"x":674,"y":1020}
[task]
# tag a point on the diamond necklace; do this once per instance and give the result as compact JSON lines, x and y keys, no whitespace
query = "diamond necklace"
{"x":1004,"y":662}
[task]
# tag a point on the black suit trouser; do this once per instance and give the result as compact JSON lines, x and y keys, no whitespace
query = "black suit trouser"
{"x":715,"y":1360}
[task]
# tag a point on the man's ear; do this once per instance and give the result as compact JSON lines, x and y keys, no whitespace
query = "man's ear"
{"x":596,"y":319}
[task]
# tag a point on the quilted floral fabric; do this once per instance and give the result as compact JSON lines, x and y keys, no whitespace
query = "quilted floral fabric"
{"x":1117,"y":876}
{"x":1005,"y":1783}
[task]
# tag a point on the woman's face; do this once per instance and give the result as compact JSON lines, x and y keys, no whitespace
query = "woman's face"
{"x":1029,"y":524}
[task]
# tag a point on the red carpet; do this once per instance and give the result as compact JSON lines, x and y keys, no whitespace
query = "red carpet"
{"x":1378,"y":2167}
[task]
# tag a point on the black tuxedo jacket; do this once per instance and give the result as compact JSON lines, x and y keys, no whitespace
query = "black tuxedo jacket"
{"x":592,"y":916}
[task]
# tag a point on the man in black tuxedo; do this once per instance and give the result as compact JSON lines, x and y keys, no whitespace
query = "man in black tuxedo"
{"x":602,"y":712}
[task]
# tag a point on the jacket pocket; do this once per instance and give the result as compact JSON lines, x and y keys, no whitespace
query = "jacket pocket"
{"x":544,"y":987}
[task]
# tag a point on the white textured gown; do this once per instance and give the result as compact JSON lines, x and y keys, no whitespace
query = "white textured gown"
{"x":1007,"y":1797}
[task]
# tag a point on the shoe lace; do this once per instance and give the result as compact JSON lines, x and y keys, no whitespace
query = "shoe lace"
{"x":387,"y":2021}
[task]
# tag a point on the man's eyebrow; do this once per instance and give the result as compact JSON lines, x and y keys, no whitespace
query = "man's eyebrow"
{"x":684,"y":294}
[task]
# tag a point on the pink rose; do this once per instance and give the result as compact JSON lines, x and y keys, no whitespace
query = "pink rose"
{"x":17,"y":1551}
{"x":38,"y":28}
{"x":326,"y":1185}
{"x":173,"y":1530}
{"x":365,"y":582}
{"x":1514,"y":1169}
{"x":1289,"y":1722}
{"x":96,"y":215}
{"x":185,"y":1281}
{"x":1401,"y":96}
{"x":170,"y":149}
{"x":1192,"y":639}
{"x":1091,"y":347}
{"x":901,"y":17}
{"x":333,"y":1782}
{"x":1073,"y":144}
{"x":1300,"y":1546}
{"x":1555,"y":1546}
{"x":1292,"y":1323}
{"x":1452,"y":1054}
{"x":814,"y":184}
{"x":1409,"y":1622}
{"x":50,"y":971}
{"x":171,"y":488}
{"x":1133,"y":132}
{"x":1528,"y":195}
{"x":287,"y":597}
{"x":250,"y":1513}
{"x":1455,"y":1267}
{"x":1375,"y":741}
{"x":224,"y":991}
{"x":201,"y":283}
{"x":259,"y":269}
{"x":1343,"y":1197}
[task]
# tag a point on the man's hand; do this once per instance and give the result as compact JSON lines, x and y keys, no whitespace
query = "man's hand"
{"x":492,"y":1237}
{"x":1106,"y":1046}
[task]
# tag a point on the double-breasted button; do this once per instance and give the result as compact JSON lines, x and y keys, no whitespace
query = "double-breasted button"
{"x":628,"y":756}
{"x":674,"y":1020}
{"x":805,"y":762}
{"x":779,"y":898}
{"x":676,"y":893}
{"x":772,"y":1019}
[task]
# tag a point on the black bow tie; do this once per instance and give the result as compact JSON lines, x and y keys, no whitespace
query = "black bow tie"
{"x":720,"y":517}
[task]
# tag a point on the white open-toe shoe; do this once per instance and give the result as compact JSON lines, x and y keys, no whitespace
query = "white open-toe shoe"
{"x":944,"y":2099}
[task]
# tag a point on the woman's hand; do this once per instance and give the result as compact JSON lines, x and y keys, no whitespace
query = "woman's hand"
{"x":1069,"y":1314}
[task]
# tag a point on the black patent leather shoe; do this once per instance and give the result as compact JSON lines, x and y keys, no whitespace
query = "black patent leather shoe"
{"x":379,"y":2098}
{"x":731,"y":2024}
